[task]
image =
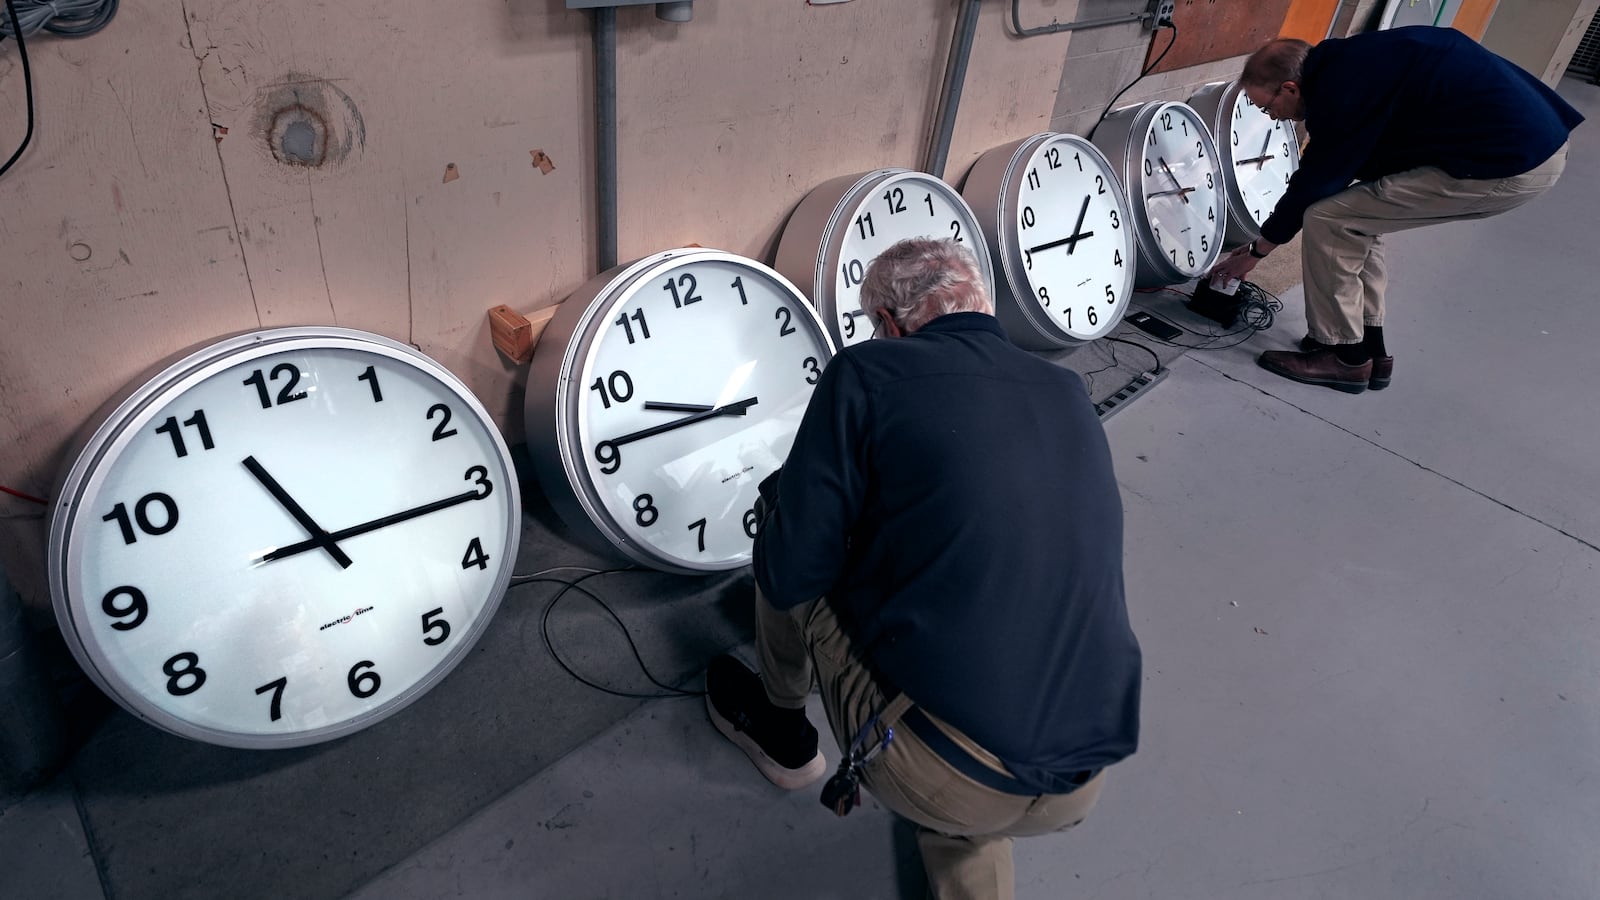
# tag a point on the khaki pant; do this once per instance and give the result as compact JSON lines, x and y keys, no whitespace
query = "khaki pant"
{"x":1342,"y":255}
{"x":964,"y":828}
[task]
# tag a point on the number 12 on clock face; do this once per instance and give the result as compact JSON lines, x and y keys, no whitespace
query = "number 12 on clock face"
{"x":286,"y":538}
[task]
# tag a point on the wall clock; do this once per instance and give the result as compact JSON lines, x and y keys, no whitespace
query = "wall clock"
{"x":282,"y":537}
{"x":661,"y":394}
{"x":1054,"y":217}
{"x":843,"y":224}
{"x":1259,"y":154}
{"x":1173,"y":181}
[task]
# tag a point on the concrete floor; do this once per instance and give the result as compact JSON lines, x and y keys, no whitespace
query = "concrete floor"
{"x":1370,"y":627}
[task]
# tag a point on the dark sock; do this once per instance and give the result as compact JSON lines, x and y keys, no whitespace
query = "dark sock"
{"x":1352,"y":354}
{"x":1372,"y":339}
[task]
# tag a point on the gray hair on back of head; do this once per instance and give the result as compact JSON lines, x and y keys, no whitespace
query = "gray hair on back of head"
{"x":920,"y":279}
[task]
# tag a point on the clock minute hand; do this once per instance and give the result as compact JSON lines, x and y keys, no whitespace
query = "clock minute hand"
{"x":729,"y":409}
{"x":319,"y":536}
{"x":375,"y":524}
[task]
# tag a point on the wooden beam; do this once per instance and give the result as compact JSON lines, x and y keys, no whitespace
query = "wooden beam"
{"x":516,"y":334}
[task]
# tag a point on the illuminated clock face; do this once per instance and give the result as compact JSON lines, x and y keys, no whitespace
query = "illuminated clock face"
{"x":1181,"y":187}
{"x":284,"y":537}
{"x":696,"y":370}
{"x":1076,"y":242}
{"x":875,"y":217}
{"x":1265,"y":153}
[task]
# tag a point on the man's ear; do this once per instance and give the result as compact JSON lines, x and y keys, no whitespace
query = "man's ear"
{"x":891,"y":328}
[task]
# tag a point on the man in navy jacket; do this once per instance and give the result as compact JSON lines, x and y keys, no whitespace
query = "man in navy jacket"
{"x":1432,"y":128}
{"x":951,"y":501}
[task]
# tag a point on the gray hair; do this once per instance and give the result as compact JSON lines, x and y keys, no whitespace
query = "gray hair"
{"x":1277,"y":61}
{"x":920,"y":279}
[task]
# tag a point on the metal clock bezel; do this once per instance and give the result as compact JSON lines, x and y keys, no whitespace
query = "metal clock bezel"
{"x":118,"y":421}
{"x":994,"y":190}
{"x":1215,"y":102}
{"x":1121,"y":136}
{"x":812,"y":245}
{"x":555,"y":395}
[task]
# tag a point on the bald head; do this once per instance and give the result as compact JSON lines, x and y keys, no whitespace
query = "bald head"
{"x":1276,"y":62}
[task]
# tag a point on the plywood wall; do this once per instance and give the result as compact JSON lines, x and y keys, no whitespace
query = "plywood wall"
{"x":207,"y":166}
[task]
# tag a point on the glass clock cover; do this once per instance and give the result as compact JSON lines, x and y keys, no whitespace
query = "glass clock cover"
{"x":283,"y":537}
{"x":660,"y":396}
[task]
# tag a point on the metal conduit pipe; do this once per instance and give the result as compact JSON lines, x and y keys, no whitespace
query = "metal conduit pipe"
{"x":1055,"y":27}
{"x":955,"y":75}
{"x":605,"y":135}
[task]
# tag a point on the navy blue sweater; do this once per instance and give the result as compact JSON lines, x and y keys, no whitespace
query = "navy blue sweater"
{"x":1388,"y":101}
{"x":953,"y":497}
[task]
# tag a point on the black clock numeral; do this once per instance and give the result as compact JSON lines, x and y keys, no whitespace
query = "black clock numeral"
{"x":864,"y":225}
{"x":1149,"y":169}
{"x":955,"y":226}
{"x":638,"y":316}
{"x":700,"y":526}
{"x":432,"y":623}
{"x":854,"y":272}
{"x":286,"y":394}
{"x":688,"y":296}
{"x":1044,"y":297}
{"x":1116,"y":257}
{"x":896,"y":199}
{"x":141,"y":516}
{"x":180,"y":666}
{"x":1116,"y":222}
{"x":784,"y":317}
{"x":475,"y":555}
{"x":644,"y":510}
{"x":1033,"y":179}
{"x":1028,"y":218}
{"x":849,"y":324}
{"x":751,"y":526}
{"x":439,"y":431}
{"x":928,"y":199}
{"x":813,"y":374}
{"x":365,"y":684}
{"x":1099,"y":184}
{"x":608,"y":456}
{"x":1053,"y":157}
{"x":137,"y":607}
{"x":370,"y":376}
{"x":479,"y":476}
{"x":738,"y":285}
{"x":1111,"y":297}
{"x":616,"y":386}
{"x":275,"y":710}
{"x":197,"y":422}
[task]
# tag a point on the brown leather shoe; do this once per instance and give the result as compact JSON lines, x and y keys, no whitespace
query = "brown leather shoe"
{"x":1318,"y":367}
{"x":1382,"y":366}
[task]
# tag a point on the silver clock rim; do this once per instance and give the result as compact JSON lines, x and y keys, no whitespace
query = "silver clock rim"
{"x":581,"y":341}
{"x":114,"y":427}
{"x":1137,"y":120}
{"x":1007,"y":193}
{"x":1215,"y":102}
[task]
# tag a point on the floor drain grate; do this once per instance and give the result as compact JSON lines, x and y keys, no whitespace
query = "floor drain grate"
{"x":1136,"y":388}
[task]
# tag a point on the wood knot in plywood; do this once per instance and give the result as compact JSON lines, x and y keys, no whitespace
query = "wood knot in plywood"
{"x":306,"y":121}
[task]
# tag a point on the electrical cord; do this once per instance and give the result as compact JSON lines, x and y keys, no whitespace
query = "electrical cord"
{"x":27,"y":83}
{"x":1143,"y":72}
{"x":65,"y":18}
{"x":668,"y":691}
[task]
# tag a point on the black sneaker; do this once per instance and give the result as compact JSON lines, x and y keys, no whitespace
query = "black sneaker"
{"x":782,"y":744}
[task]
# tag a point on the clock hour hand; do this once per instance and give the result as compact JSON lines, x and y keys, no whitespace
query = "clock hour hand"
{"x":382,"y":522}
{"x":319,"y":537}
